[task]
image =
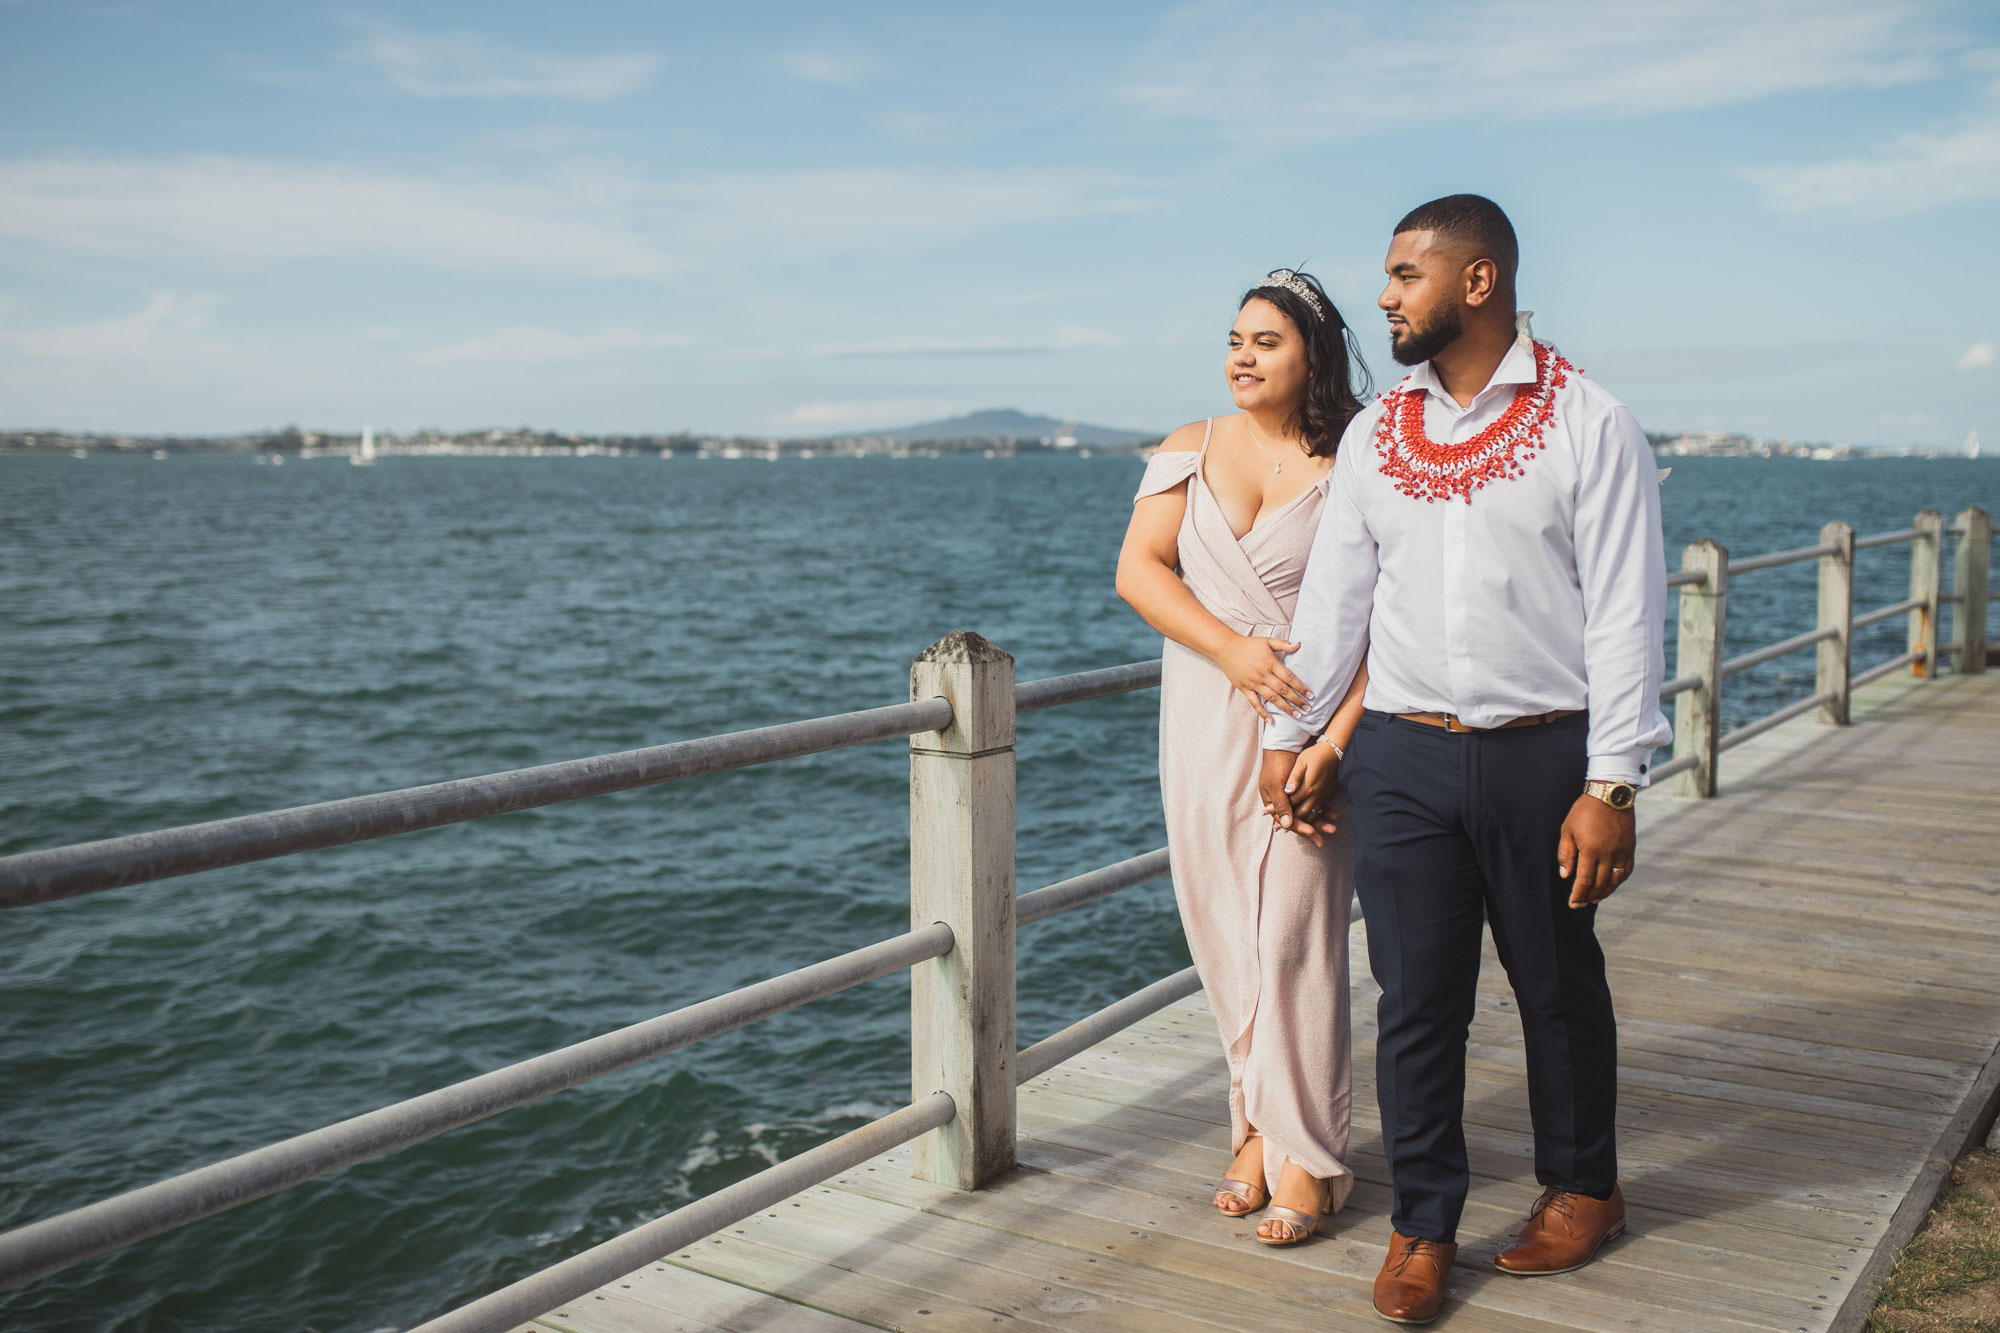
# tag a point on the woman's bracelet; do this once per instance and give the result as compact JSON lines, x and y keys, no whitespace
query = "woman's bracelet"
{"x":1328,"y":741}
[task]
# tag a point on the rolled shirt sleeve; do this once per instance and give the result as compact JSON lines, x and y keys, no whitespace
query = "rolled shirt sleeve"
{"x":1621,"y":571}
{"x":1336,"y":596}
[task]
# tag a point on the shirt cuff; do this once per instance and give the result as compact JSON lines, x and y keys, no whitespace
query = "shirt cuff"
{"x":1284,"y":733}
{"x":1627,"y":768}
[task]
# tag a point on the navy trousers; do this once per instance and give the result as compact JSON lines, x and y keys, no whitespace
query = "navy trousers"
{"x":1453,"y":830}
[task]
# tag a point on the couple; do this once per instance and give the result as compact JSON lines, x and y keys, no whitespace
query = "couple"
{"x":1414,"y":650}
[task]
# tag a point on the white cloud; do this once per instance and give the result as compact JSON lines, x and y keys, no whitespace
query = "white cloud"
{"x":1063,"y":340}
{"x":171,"y":326}
{"x":875,"y":413}
{"x":838,"y":66}
{"x":592,"y":219}
{"x":238,"y":211}
{"x":1916,"y":172}
{"x":1978,"y":357}
{"x":466,"y":64}
{"x":539,"y":346}
{"x":815,"y":212}
{"x":1351,"y":66}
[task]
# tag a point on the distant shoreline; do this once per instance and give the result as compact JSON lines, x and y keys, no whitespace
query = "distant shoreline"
{"x":307,"y":445}
{"x":539,"y":444}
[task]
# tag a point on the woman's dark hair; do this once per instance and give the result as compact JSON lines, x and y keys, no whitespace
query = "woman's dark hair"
{"x":1333,"y":362}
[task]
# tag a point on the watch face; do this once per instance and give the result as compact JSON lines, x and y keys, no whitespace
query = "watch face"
{"x":1622,"y":797}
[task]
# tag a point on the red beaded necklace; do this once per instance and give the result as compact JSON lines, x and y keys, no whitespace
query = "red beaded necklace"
{"x":1426,"y":470}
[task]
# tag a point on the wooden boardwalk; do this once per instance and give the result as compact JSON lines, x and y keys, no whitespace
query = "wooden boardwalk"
{"x":1807,"y":972}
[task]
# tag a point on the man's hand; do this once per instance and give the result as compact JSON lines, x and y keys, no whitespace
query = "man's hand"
{"x":1596,"y":848}
{"x":1272,"y":776}
{"x":1311,"y":786}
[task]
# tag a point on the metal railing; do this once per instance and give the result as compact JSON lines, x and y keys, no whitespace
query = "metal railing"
{"x":949,"y":685}
{"x":1700,"y":668}
{"x":964,"y":911}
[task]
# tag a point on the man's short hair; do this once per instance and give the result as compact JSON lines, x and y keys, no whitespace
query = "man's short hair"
{"x":1473,"y":220}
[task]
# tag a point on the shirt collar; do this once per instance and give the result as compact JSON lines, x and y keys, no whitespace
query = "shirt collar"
{"x":1517,"y":367}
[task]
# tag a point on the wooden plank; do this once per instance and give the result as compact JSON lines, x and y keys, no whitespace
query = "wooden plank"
{"x":681,"y":1296}
{"x":617,"y":1312}
{"x":1198,"y":1240}
{"x":1494,"y":1208}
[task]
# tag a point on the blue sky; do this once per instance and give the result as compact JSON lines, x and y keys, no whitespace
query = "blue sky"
{"x":1776,"y":216}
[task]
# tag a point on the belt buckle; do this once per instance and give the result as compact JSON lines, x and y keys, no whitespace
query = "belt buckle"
{"x":1451,"y":723}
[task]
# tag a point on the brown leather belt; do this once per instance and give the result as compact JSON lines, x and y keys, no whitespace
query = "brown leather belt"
{"x":1450,"y":722}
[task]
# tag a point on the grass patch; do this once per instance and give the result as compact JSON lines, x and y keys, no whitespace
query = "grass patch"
{"x":1947,"y":1280}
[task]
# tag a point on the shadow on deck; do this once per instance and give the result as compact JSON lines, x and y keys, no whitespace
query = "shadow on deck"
{"x":1809,"y":1004}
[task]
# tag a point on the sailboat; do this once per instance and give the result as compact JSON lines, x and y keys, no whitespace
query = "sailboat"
{"x":366,"y":457}
{"x":1972,"y":444}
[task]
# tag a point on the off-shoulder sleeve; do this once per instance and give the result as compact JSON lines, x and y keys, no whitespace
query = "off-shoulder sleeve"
{"x":1166,"y":470}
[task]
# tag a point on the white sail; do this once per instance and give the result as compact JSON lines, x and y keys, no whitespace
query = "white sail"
{"x":1972,"y":444}
{"x":366,"y":458}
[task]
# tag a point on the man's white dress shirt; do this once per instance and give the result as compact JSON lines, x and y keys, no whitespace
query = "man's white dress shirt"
{"x":1547,"y":591}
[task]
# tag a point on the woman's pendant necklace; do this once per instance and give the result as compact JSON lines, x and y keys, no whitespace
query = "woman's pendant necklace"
{"x":1277,"y":464}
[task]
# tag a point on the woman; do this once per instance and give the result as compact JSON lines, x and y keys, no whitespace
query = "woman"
{"x":1218,"y":541}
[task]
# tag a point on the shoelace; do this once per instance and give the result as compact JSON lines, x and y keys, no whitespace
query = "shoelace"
{"x":1558,"y":1199}
{"x":1417,"y":1247}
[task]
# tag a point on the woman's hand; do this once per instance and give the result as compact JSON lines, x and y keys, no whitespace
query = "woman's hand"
{"x":1251,"y":661}
{"x":1275,"y":785}
{"x":1311,"y":784}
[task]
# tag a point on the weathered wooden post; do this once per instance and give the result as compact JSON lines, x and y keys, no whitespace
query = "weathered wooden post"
{"x":1926,"y":564}
{"x":1698,"y":712}
{"x":1975,"y":549}
{"x":1836,"y":612}
{"x":962,"y":873}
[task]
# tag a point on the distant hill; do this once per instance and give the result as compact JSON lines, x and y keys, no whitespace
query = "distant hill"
{"x":1006,"y":423}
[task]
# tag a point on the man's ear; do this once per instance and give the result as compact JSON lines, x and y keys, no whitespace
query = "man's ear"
{"x":1482,"y":278}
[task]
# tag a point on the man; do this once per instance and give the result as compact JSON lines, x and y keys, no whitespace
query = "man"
{"x":1491,"y":543}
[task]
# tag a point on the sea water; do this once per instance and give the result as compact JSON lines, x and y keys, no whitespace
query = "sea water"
{"x":201,"y":637}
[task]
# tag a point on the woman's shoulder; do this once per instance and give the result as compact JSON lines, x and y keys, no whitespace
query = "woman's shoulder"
{"x":1187,"y":439}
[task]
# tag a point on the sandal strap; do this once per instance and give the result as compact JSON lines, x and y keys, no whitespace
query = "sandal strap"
{"x":1242,"y":1191}
{"x":1303,"y":1223}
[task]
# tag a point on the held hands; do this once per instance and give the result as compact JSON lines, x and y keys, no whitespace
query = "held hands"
{"x":1297,"y":788}
{"x":1597,"y":847}
{"x":1251,"y":662}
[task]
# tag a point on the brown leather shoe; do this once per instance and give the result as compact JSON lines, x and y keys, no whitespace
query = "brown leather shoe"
{"x":1563,"y":1232}
{"x":1410,"y":1287}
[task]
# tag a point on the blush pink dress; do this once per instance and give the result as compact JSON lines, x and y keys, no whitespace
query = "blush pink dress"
{"x":1265,"y":911}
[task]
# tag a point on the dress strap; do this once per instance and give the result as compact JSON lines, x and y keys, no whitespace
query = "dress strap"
{"x":1207,"y":430}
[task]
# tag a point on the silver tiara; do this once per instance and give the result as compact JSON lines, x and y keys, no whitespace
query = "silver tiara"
{"x":1297,"y":286}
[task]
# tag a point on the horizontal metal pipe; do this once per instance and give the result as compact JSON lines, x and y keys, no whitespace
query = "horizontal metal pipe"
{"x":553,"y":1287}
{"x":1776,"y":558}
{"x":1945,"y":599}
{"x":1673,"y":766}
{"x":1771,"y":652}
{"x":55,"y":1242}
{"x":1881,"y":669}
{"x":1054,"y":690}
{"x":1679,"y":685}
{"x":63,"y":872}
{"x":1686,"y":578}
{"x":1752,"y":730}
{"x":1089,"y":887}
{"x":1886,"y":538}
{"x":1051,"y":1051}
{"x":1881,"y":614}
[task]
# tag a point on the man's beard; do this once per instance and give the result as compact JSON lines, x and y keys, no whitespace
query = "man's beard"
{"x":1418,"y":345}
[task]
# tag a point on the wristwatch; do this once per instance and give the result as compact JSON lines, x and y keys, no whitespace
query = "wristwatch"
{"x":1617,"y":795}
